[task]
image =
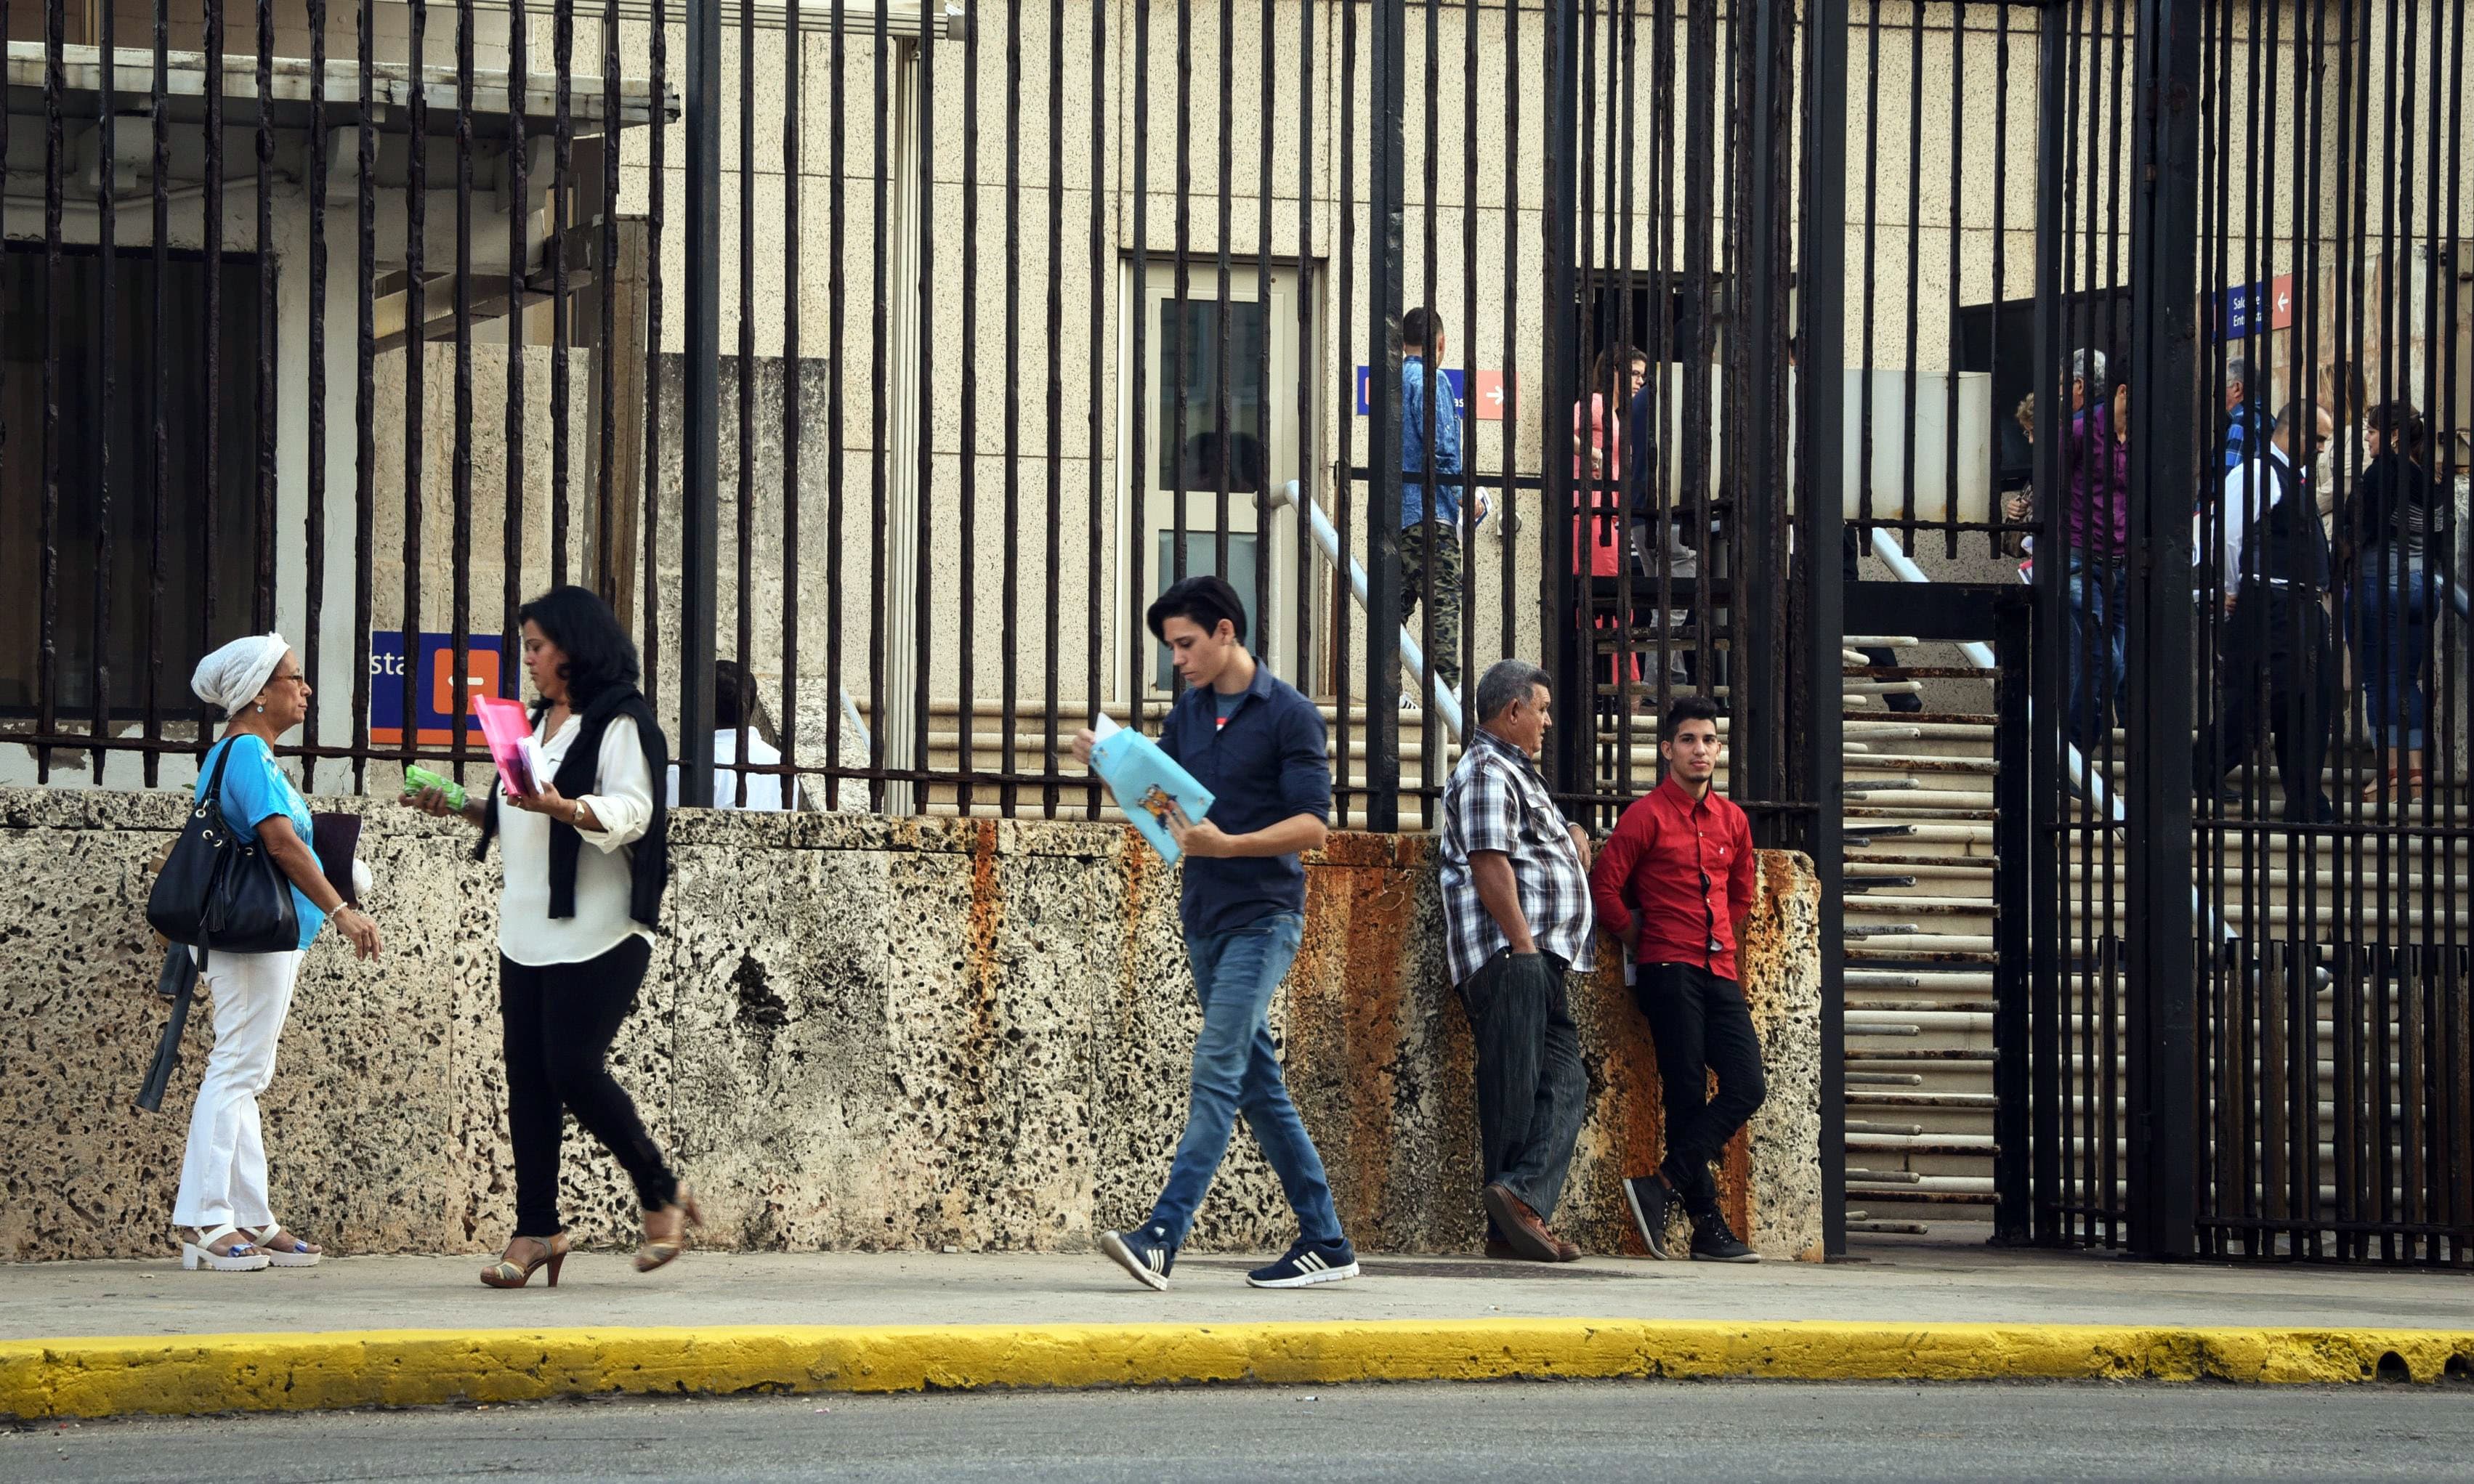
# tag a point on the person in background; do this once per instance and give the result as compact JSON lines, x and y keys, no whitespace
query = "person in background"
{"x":2393,"y":520}
{"x":1673,"y":883}
{"x":2271,"y":560}
{"x":1430,"y":520}
{"x":737,"y":704}
{"x":1600,"y":531}
{"x":2247,"y":423}
{"x":2338,"y":468}
{"x":222,"y":1203}
{"x":2096,"y":512}
{"x":1257,"y":744}
{"x":1516,"y":889}
{"x":584,"y":862}
{"x":2019,"y":506}
{"x":1597,"y":458}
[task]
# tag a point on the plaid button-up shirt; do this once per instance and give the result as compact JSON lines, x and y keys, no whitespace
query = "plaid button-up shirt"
{"x":1497,"y":801}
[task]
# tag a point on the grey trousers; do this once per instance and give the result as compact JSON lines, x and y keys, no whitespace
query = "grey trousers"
{"x":1531,"y":1088}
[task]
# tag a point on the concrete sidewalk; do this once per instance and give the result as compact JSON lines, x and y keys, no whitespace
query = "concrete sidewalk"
{"x":1891,"y":1280}
{"x":93,"y":1339}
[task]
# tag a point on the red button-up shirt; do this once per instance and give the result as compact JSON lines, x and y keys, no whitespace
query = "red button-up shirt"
{"x":1684,"y":869}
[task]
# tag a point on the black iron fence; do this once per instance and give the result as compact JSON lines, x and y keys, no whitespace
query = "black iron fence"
{"x":897,"y":355}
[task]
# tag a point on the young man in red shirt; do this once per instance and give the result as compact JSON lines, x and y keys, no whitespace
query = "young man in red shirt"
{"x":1671,"y":884}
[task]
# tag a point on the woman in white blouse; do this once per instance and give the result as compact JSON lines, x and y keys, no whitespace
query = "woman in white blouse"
{"x":575,"y":925}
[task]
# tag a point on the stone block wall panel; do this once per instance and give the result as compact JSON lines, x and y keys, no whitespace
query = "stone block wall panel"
{"x":856,"y":1032}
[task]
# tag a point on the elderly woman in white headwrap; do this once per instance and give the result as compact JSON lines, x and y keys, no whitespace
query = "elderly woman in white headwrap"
{"x":222,"y":1208}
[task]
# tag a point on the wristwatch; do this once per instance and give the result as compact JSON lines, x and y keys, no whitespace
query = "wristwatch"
{"x":575,"y":813}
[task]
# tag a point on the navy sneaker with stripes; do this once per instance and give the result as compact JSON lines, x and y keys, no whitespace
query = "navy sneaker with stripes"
{"x":1145,"y":1253}
{"x":1307,"y":1263}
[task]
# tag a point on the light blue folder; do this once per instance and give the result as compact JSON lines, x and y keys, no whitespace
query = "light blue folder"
{"x":1146,"y":781}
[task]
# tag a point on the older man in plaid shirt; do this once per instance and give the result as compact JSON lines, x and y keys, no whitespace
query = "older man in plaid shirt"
{"x":1515,"y":880}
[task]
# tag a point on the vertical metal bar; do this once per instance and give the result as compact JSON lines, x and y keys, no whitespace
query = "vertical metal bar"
{"x":210,"y":546}
{"x":1385,"y":193}
{"x":795,"y":394}
{"x":1094,"y":679}
{"x":1822,"y":454}
{"x":967,"y":483}
{"x":743,"y":403}
{"x":107,"y":285}
{"x":314,"y":620}
{"x":1308,"y":346}
{"x":1179,"y":359}
{"x":657,"y":214}
{"x":55,"y":295}
{"x":1056,"y":530}
{"x":1959,"y":111}
{"x":923,"y":608}
{"x":1264,"y":625}
{"x":1430,"y":733}
{"x":1570,"y":758}
{"x":1701,"y":146}
{"x":1137,"y":306}
{"x":837,"y":431}
{"x":158,"y":439}
{"x":1222,"y":409}
{"x":881,"y":127}
{"x":1344,"y":486}
{"x":2059,"y":973}
{"x":460,"y":560}
{"x":1507,"y":619}
{"x":262,"y":533}
{"x":606,"y":521}
{"x":561,"y":335}
{"x":1765,"y":263}
{"x":2163,"y":456}
{"x":416,"y":361}
{"x":1055,"y":545}
{"x":364,"y":355}
{"x":700,"y":443}
{"x":516,"y":431}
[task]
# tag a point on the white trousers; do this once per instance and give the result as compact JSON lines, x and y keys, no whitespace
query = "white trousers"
{"x":223,"y":1176}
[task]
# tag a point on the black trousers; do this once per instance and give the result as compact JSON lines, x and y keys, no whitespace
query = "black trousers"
{"x":2275,"y":672}
{"x":557,"y":1022}
{"x":1531,"y":1087}
{"x":1700,"y":1024}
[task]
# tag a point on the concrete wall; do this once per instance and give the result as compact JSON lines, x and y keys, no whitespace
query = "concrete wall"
{"x":858,"y":1032}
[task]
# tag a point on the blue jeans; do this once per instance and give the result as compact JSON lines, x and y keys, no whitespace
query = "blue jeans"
{"x":2101,"y":620}
{"x":1236,"y":1071}
{"x":2389,"y":613}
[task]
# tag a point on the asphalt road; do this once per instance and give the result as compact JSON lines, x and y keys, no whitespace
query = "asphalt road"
{"x":1665,"y":1431}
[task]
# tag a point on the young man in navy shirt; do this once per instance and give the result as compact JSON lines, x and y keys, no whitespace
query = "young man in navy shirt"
{"x":1258,"y":746}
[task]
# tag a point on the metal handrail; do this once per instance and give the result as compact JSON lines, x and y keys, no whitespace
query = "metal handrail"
{"x":1413,"y":657}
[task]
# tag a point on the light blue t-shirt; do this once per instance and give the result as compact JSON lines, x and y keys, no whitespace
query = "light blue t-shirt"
{"x":254,"y":789}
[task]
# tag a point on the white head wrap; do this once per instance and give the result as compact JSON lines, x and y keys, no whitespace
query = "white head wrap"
{"x":232,"y":676}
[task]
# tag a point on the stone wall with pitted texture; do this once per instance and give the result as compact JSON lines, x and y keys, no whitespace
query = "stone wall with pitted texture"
{"x":857,"y":1033}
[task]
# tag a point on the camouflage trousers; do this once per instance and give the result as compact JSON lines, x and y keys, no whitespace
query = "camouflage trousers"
{"x":1433,"y":548}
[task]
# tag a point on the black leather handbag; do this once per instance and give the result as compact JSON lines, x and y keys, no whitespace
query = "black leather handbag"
{"x":218,"y":891}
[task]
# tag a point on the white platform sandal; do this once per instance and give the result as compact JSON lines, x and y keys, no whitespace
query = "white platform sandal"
{"x":283,"y":1249}
{"x":200,"y":1254}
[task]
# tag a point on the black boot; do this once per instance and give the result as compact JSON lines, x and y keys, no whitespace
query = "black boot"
{"x":1713,"y":1242}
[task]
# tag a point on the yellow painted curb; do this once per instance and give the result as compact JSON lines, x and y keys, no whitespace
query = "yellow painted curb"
{"x":102,"y":1378}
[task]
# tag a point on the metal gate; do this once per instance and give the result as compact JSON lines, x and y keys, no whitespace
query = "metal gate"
{"x":882,"y":360}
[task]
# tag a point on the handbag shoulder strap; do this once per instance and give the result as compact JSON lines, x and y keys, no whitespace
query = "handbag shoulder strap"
{"x":215,"y":780}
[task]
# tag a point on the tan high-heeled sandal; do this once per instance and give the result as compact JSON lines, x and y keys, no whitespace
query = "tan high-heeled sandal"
{"x":505,"y":1274}
{"x":663,"y":1250}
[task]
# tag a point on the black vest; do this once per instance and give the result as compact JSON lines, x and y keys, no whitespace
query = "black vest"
{"x":2286,"y":544}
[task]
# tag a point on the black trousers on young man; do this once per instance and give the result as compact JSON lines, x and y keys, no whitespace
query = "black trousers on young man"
{"x":1532,"y":1089}
{"x":1701,"y":1024}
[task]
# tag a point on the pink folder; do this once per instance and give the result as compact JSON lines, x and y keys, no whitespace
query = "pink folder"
{"x":507,"y":728}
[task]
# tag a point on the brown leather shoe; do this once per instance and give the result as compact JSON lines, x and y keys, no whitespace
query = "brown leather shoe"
{"x":1566,"y":1252}
{"x":1499,"y":1249}
{"x":1520,"y":1227}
